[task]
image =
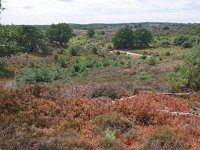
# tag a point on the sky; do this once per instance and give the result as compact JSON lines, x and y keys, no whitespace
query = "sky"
{"x":99,"y":11}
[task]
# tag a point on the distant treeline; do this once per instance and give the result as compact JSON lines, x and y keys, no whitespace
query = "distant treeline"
{"x":119,"y":25}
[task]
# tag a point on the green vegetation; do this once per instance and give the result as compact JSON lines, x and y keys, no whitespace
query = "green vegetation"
{"x":90,"y":32}
{"x":9,"y":36}
{"x":143,"y":76}
{"x":187,"y":75}
{"x":143,"y":38}
{"x":126,"y":38}
{"x":38,"y":72}
{"x":59,"y":33}
{"x":164,"y":138}
{"x":32,"y":40}
{"x":79,"y":92}
{"x":4,"y":72}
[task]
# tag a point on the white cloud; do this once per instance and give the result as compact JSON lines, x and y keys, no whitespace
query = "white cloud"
{"x":103,"y":11}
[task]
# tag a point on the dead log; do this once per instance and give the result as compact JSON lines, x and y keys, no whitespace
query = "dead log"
{"x":181,"y":113}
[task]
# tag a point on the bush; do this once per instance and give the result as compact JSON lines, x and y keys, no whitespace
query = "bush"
{"x":187,"y":44}
{"x":112,"y":123}
{"x":74,"y":49}
{"x":61,"y":60}
{"x":101,"y":33}
{"x":90,"y":32}
{"x":187,"y":75}
{"x":166,"y":28}
{"x":110,"y":47}
{"x":118,"y":53}
{"x":151,"y":61}
{"x":78,"y":69}
{"x":143,"y":56}
{"x":164,"y":138}
{"x":165,"y":44}
{"x":178,"y":78}
{"x":62,"y":51}
{"x":31,"y":75}
{"x":106,"y":144}
{"x":129,"y":64}
{"x":194,"y":40}
{"x":94,"y":50}
{"x":180,"y":40}
{"x":110,"y":91}
{"x":167,"y":53}
{"x":4,"y":72}
{"x":143,"y":76}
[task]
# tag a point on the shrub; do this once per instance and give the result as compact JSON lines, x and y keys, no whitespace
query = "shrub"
{"x":115,"y":63}
{"x":101,"y":33}
{"x":112,"y":123}
{"x":101,"y":54}
{"x":167,"y":53}
{"x":106,"y":144}
{"x":61,"y":51}
{"x":180,"y":40}
{"x":110,"y":135}
{"x":105,"y":62}
{"x":178,"y":78}
{"x":187,"y":44}
{"x":78,"y":69}
{"x":129,"y":64}
{"x":143,"y":56}
{"x":4,"y":72}
{"x":74,"y":49}
{"x":143,"y":76}
{"x":110,"y":91}
{"x":165,"y":44}
{"x":61,"y":60}
{"x":187,"y":75}
{"x":151,"y":61}
{"x":90,"y":32}
{"x":166,"y":28}
{"x":110,"y":47}
{"x":118,"y":53}
{"x":43,"y":74}
{"x":94,"y":50}
{"x":164,"y":138}
{"x":27,"y":75}
{"x":194,"y":40}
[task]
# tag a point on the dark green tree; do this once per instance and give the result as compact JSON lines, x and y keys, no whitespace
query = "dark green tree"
{"x":124,"y":38}
{"x":59,"y":33}
{"x":32,"y":39}
{"x":90,"y":32}
{"x":143,"y":37}
{"x":180,"y":40}
{"x":9,"y":36}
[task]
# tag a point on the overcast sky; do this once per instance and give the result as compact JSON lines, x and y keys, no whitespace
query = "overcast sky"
{"x":100,"y":11}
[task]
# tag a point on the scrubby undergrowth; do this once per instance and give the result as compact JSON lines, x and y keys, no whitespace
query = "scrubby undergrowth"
{"x":37,"y":117}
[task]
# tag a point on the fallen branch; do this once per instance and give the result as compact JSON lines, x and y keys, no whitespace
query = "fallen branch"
{"x":181,"y":113}
{"x":176,"y":94}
